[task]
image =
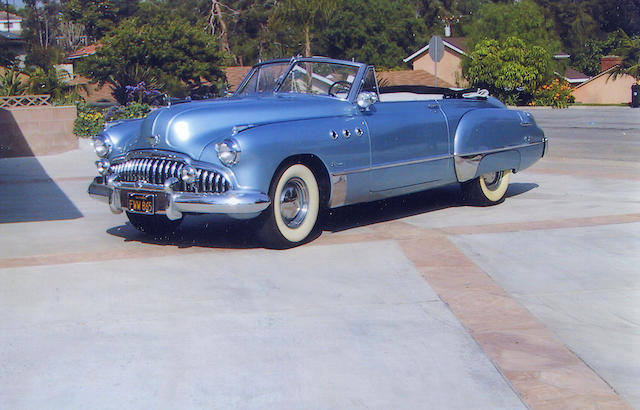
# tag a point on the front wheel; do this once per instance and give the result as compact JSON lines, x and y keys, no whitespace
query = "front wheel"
{"x":155,"y":225}
{"x":487,"y":189}
{"x":293,"y":213}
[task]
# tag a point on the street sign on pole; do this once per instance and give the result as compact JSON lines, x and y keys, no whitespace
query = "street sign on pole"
{"x":436,"y":51}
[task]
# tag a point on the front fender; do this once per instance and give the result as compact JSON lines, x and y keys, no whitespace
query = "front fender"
{"x":264,"y":148}
{"x":121,"y":135}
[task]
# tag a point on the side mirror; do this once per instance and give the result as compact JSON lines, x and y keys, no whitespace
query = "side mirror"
{"x":366,"y":99}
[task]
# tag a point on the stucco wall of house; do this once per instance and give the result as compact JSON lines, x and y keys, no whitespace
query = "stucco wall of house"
{"x":605,"y":90}
{"x":27,"y":131}
{"x":449,"y":68}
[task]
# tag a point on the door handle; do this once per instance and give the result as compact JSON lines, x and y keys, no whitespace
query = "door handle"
{"x":433,"y":106}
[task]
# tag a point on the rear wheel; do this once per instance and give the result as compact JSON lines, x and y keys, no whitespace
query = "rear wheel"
{"x":155,"y":225}
{"x":487,"y":189}
{"x":293,"y":213}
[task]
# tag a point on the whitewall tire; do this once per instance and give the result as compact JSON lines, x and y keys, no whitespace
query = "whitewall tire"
{"x":487,"y":189}
{"x":295,"y":204}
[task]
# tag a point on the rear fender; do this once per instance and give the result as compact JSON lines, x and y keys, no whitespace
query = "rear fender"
{"x":490,"y":140}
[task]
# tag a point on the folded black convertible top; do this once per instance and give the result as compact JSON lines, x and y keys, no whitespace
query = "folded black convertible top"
{"x":425,"y":89}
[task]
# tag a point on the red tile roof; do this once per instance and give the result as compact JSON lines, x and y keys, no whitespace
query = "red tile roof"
{"x":409,"y":77}
{"x":13,"y":17}
{"x":84,"y":51}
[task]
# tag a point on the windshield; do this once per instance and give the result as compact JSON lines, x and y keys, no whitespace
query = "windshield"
{"x":320,"y":78}
{"x":264,"y":78}
{"x":305,"y":77}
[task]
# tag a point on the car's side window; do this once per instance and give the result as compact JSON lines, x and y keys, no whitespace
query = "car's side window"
{"x":370,"y":83}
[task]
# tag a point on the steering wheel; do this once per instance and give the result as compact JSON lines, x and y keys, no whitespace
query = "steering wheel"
{"x":346,"y":85}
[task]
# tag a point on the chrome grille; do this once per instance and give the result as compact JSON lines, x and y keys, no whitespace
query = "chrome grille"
{"x":158,"y":170}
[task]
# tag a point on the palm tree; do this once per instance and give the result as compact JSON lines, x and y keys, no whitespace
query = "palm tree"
{"x":630,"y":53}
{"x":10,"y":83}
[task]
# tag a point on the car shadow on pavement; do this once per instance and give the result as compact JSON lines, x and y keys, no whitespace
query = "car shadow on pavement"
{"x":27,"y":192}
{"x":221,"y":232}
{"x":198,"y":230}
{"x":450,"y":196}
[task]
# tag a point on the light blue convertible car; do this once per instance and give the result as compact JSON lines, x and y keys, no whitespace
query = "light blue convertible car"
{"x":303,"y":135}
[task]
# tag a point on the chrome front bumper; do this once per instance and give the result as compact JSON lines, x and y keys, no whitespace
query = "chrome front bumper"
{"x":173,"y":203}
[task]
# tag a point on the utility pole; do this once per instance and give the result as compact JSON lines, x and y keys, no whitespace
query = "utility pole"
{"x":8,"y":23}
{"x":448,"y":21}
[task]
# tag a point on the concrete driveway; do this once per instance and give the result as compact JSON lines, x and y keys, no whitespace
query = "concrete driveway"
{"x":416,"y":302}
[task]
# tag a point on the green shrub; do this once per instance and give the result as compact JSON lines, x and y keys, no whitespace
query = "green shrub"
{"x":127,"y":112}
{"x":90,"y":121}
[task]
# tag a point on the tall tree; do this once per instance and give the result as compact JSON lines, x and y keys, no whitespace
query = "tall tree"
{"x":40,"y":30}
{"x":303,"y":14}
{"x":523,"y":19}
{"x":41,"y":22}
{"x":386,"y":32}
{"x":98,"y":16}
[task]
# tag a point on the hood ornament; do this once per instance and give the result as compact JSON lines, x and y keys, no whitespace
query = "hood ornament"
{"x":153,"y":140}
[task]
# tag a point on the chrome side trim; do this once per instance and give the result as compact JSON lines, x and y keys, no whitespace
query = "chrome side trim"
{"x":339,"y":185}
{"x":392,"y":164}
{"x":466,"y":167}
{"x":491,"y":151}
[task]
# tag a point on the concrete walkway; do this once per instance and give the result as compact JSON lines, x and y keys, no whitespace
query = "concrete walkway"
{"x":416,"y":302}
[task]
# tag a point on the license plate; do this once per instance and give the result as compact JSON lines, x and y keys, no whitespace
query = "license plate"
{"x":141,"y":203}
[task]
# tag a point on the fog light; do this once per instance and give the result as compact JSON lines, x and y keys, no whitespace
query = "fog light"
{"x":101,"y":147}
{"x":188,"y":174}
{"x":228,"y":152}
{"x":103,"y":166}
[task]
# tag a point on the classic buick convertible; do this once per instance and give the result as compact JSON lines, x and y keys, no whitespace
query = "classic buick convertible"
{"x":303,"y":135}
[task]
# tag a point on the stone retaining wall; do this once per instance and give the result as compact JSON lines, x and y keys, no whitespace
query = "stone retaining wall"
{"x":43,"y":130}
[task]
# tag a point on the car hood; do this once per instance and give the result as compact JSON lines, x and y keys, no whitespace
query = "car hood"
{"x":190,"y":127}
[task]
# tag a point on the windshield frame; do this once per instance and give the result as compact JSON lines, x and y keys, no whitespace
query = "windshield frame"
{"x":353,"y":92}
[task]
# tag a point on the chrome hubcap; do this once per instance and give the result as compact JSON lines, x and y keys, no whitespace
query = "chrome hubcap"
{"x":294,"y":202}
{"x":492,"y":181}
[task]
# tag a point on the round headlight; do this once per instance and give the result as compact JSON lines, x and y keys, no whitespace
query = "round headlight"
{"x":228,"y":152}
{"x":103,"y":166}
{"x":101,"y":147}
{"x":188,"y":174}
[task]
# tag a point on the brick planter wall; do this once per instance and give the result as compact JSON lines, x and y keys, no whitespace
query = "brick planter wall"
{"x":28,"y":131}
